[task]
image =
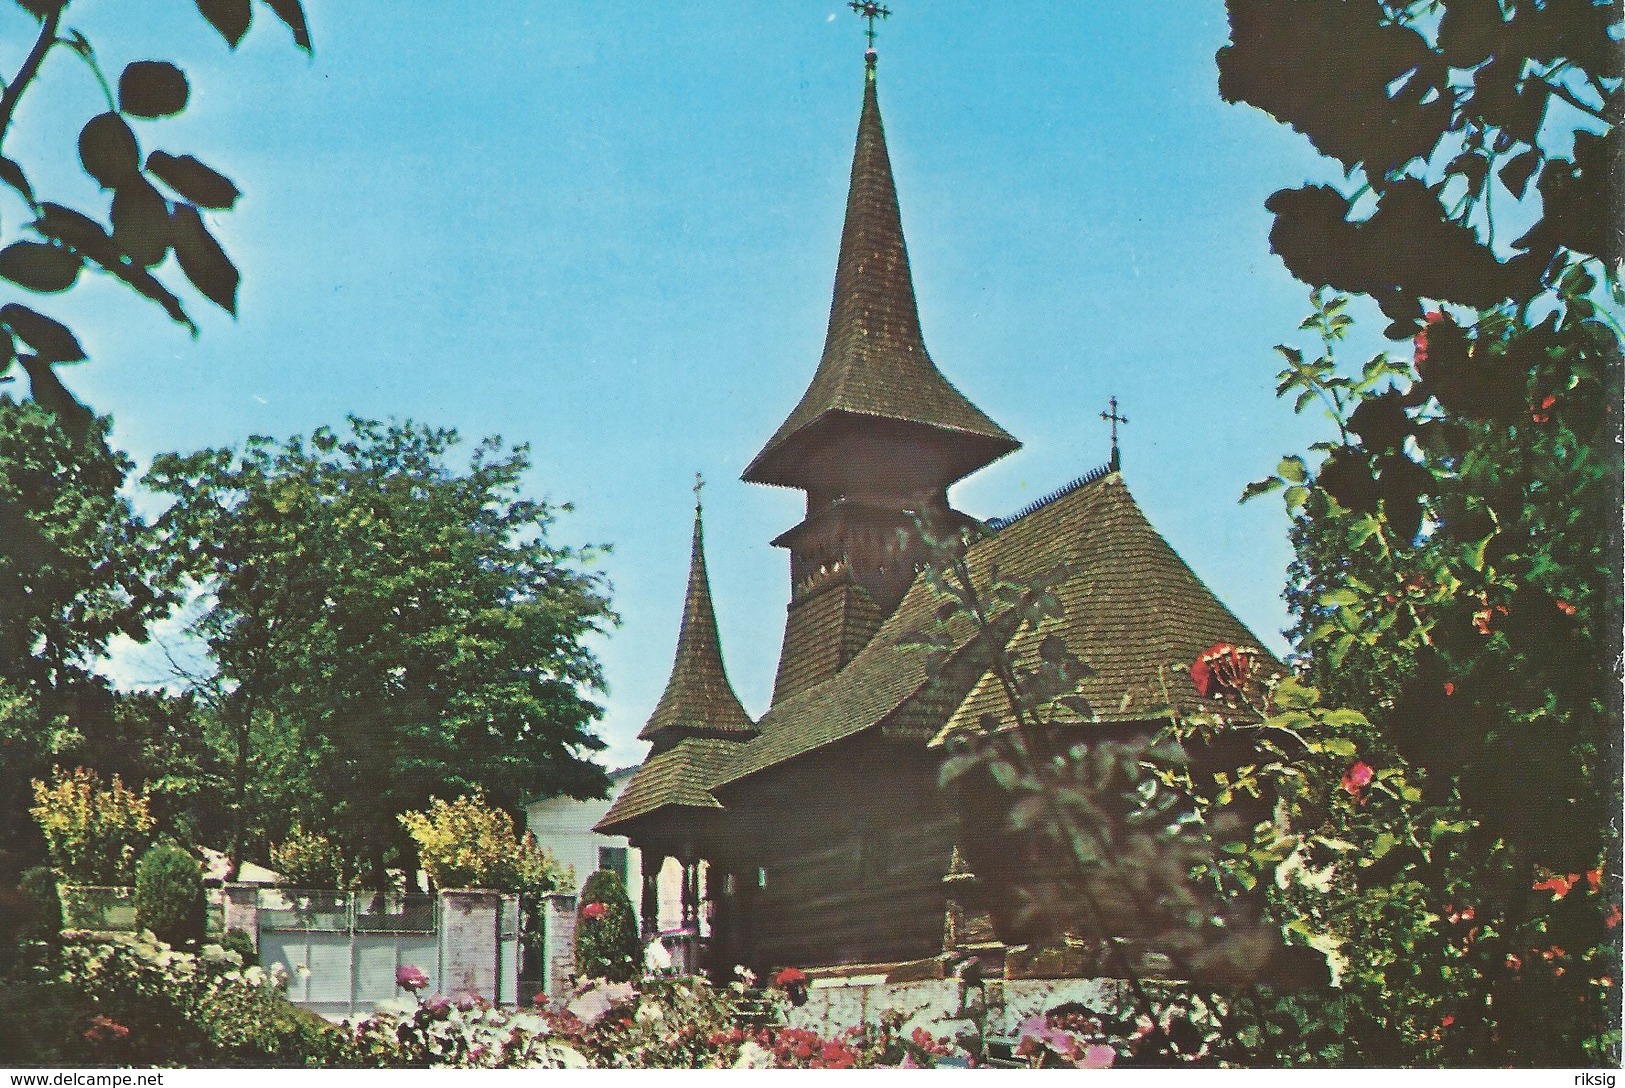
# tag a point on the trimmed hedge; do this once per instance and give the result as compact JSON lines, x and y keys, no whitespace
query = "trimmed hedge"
{"x":169,"y":897}
{"x":607,"y":944}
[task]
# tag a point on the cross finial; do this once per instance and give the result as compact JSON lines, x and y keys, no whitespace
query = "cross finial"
{"x":870,"y":11}
{"x":1114,"y":419}
{"x":699,"y":485}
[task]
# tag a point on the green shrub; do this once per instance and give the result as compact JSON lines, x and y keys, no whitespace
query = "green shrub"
{"x":119,"y":1000}
{"x":242,"y":943}
{"x":309,"y":859}
{"x":169,"y":895}
{"x":471,"y":843}
{"x":41,"y":913}
{"x":93,"y":833}
{"x":607,"y":944}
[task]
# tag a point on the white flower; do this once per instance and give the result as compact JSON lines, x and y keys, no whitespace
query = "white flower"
{"x":754,"y":1056}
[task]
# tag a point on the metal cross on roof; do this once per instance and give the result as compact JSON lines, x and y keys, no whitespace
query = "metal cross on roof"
{"x":699,"y":485}
{"x":871,"y":11}
{"x":1114,"y":419}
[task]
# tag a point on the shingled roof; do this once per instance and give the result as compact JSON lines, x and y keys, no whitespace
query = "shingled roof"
{"x":1133,"y":611}
{"x":698,"y":700}
{"x":874,"y":362}
{"x":679,"y":777}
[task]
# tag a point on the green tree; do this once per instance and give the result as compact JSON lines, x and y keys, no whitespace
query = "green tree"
{"x":403,"y":625}
{"x":607,"y":944}
{"x":74,"y":572}
{"x":1460,"y":535}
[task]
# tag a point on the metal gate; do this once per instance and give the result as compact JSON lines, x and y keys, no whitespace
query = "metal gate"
{"x":342,"y":950}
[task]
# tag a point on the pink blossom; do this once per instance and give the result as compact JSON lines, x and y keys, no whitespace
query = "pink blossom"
{"x":1357,"y":778}
{"x":1097,"y":1056}
{"x":410,"y":978}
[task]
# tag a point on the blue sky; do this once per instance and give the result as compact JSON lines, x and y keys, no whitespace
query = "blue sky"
{"x":610,"y":231}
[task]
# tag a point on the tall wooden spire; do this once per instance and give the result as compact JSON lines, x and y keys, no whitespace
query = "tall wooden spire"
{"x":875,"y":440}
{"x":875,"y":372}
{"x":698,"y":701}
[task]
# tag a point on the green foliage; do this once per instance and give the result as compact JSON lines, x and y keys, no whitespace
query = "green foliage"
{"x":128,"y":1001}
{"x":93,"y":834}
{"x":1458,"y":557}
{"x":31,"y":920}
{"x":152,"y":207}
{"x":169,"y":899}
{"x":607,"y":944}
{"x":309,"y":859}
{"x":74,"y":573}
{"x":240,"y":943}
{"x":469,"y":843}
{"x":389,"y":626}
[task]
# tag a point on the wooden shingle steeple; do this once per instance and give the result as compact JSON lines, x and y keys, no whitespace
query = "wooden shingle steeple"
{"x":698,"y":700}
{"x":875,"y":372}
{"x":875,"y":441}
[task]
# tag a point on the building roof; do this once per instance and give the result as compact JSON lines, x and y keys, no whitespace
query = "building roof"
{"x":679,"y":777}
{"x":875,"y":363}
{"x":698,"y":700}
{"x":1133,"y":611}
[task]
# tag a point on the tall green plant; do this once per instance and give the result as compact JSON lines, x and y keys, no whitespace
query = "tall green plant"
{"x":94,"y":834}
{"x":169,"y":899}
{"x":399,"y":620}
{"x":607,"y":944}
{"x":1459,"y":537}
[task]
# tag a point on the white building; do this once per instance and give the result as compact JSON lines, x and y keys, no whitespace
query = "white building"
{"x":564,"y":827}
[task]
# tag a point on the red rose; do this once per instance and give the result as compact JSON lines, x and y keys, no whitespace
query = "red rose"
{"x":594,"y":911}
{"x":1357,"y":778}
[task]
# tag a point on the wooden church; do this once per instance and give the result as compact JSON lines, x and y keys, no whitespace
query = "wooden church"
{"x":820,"y":830}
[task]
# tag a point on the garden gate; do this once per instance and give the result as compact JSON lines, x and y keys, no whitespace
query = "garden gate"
{"x":342,"y":950}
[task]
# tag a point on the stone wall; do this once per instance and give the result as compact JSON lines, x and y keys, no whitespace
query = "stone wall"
{"x":943,"y":1006}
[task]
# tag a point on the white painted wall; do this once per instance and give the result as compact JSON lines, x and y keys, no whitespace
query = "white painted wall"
{"x":564,"y":827}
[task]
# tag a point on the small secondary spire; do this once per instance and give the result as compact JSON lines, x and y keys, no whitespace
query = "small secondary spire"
{"x":1114,"y":419}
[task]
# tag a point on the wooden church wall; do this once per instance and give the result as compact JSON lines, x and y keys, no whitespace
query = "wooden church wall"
{"x":854,"y":841}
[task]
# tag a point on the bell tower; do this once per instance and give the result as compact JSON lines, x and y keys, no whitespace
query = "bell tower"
{"x":876,"y":439}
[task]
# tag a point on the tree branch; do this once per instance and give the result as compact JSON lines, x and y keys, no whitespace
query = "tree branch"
{"x":30,"y":68}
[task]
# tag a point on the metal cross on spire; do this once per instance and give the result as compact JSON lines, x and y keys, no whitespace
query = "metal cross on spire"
{"x":871,"y":11}
{"x":699,"y":485}
{"x":1114,"y":419}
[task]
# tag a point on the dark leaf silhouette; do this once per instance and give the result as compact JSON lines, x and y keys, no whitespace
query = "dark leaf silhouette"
{"x":152,"y":88}
{"x":50,"y":339}
{"x":193,"y":180}
{"x":202,"y":259}
{"x":108,"y":150}
{"x":229,"y":17}
{"x":291,"y":13}
{"x":1518,"y":170}
{"x":75,"y":229}
{"x":141,"y":223}
{"x":39,"y":9}
{"x":39,"y":266}
{"x":48,"y":390}
{"x":13,"y":175}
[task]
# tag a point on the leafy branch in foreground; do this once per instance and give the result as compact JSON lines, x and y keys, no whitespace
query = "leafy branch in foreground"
{"x":157,"y":204}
